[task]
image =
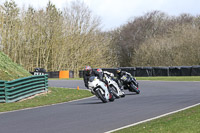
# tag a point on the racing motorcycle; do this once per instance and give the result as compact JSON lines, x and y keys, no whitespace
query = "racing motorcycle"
{"x":100,"y":89}
{"x":114,"y":87}
{"x":130,"y":83}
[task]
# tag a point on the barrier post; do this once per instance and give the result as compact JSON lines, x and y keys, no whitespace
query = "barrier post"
{"x":46,"y":82}
{"x":6,"y":92}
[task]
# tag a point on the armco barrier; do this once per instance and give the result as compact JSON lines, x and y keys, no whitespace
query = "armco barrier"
{"x":175,"y":71}
{"x":71,"y":74}
{"x":156,"y":71}
{"x":160,"y":71}
{"x":2,"y":91}
{"x":186,"y":70}
{"x":195,"y":71}
{"x":81,"y":73}
{"x":11,"y":91}
{"x":53,"y":74}
{"x":144,"y":71}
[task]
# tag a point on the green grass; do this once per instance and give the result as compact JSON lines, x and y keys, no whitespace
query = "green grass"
{"x":10,"y":70}
{"x":171,"y":78}
{"x":187,"y":121}
{"x":55,"y":95}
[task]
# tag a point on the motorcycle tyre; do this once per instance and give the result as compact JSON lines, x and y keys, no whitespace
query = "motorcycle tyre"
{"x":133,"y":88}
{"x":114,"y":91}
{"x":112,"y":98}
{"x":100,"y":96}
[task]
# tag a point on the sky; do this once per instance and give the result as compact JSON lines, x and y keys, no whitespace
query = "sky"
{"x":115,"y":13}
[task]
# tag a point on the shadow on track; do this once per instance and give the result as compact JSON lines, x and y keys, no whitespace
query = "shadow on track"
{"x":131,"y":94}
{"x":88,"y":103}
{"x":91,"y":101}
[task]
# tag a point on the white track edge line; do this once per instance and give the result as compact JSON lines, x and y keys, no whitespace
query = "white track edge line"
{"x":153,"y":118}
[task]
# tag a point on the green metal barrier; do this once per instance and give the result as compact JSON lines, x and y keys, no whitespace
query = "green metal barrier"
{"x":11,"y":91}
{"x":2,"y":91}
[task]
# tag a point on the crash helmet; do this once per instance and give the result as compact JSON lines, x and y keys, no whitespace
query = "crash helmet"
{"x":88,"y":70}
{"x":99,"y":70}
{"x":118,"y":70}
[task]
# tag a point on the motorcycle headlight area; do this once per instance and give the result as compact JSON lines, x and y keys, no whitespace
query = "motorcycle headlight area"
{"x":123,"y":78}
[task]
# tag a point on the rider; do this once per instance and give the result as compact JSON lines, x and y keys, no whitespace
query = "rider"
{"x":109,"y":74}
{"x":120,"y":73}
{"x":88,"y":72}
{"x":105,"y":72}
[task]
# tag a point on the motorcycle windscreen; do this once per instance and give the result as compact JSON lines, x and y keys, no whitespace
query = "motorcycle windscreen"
{"x":92,"y":78}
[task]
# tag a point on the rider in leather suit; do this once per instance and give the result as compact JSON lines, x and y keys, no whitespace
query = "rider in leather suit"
{"x":120,"y":73}
{"x":88,"y":72}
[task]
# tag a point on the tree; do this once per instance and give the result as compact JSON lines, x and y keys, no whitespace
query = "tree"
{"x":11,"y":26}
{"x":82,"y":40}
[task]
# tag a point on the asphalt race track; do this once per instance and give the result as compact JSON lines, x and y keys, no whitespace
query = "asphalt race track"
{"x":93,"y":116}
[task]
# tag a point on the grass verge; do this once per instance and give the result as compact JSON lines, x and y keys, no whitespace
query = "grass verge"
{"x":187,"y":121}
{"x":55,"y":95}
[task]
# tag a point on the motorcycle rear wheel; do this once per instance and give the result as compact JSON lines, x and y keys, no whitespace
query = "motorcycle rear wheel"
{"x":114,"y":91}
{"x":111,"y":97}
{"x":134,"y":89}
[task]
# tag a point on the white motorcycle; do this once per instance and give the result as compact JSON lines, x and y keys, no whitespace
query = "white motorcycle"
{"x":114,"y":87}
{"x":100,"y":89}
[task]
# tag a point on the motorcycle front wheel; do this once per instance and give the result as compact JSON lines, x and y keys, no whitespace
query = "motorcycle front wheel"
{"x":134,"y":88}
{"x":101,"y":96}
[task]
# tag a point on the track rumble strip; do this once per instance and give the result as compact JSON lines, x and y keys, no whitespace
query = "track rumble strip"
{"x":147,"y":120}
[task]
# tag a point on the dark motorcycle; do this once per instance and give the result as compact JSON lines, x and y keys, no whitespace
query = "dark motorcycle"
{"x":130,"y":83}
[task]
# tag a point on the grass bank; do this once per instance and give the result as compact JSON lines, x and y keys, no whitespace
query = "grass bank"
{"x":55,"y":95}
{"x":10,"y":70}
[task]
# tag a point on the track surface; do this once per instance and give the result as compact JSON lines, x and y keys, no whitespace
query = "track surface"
{"x":92,"y":116}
